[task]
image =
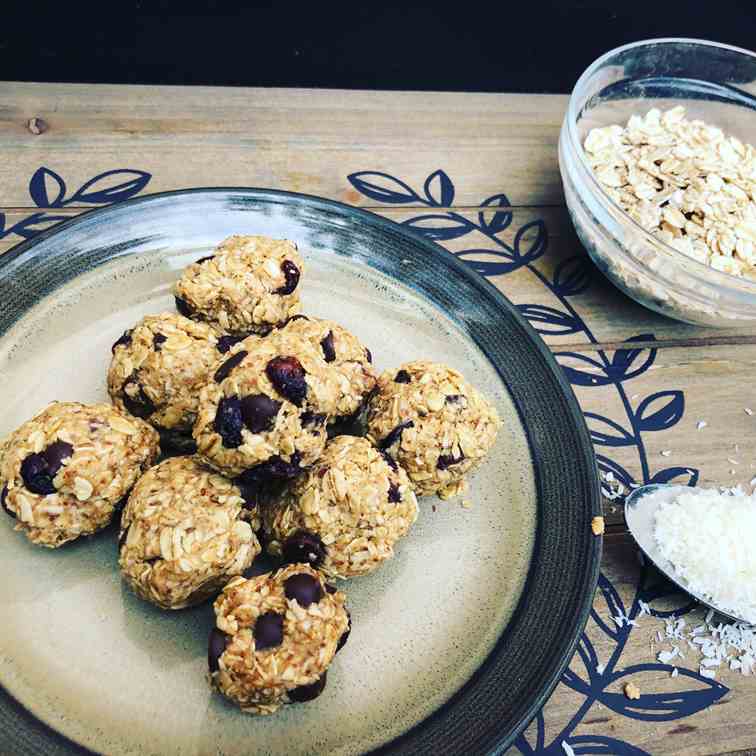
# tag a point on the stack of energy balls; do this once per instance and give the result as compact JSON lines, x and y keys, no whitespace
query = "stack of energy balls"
{"x":254,"y":397}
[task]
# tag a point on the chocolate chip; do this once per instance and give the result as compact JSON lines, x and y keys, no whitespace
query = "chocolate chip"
{"x":291,"y":274}
{"x":288,"y":378}
{"x":140,"y":405}
{"x":3,"y":497}
{"x":306,"y":693}
{"x":393,"y":493}
{"x":36,"y":475}
{"x":329,"y":353}
{"x":395,"y":435}
{"x":312,"y":418}
{"x":184,"y":307}
{"x":228,"y":421}
{"x":304,"y":547}
{"x":268,"y":631}
{"x":226,"y":342}
{"x":390,"y":461}
{"x":369,"y":355}
{"x":447,"y":460}
{"x":402,"y":377}
{"x":225,"y":369}
{"x":216,"y":645}
{"x":123,"y":340}
{"x":204,"y":259}
{"x":122,"y":536}
{"x":55,"y":454}
{"x":304,"y":589}
{"x":345,"y":635}
{"x":158,"y":340}
{"x":275,"y":468}
{"x":259,"y":412}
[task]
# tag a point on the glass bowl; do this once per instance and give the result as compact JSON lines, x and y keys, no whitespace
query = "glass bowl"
{"x":717,"y":84}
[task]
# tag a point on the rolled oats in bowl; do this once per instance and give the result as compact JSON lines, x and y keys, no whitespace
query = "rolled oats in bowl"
{"x":659,"y":176}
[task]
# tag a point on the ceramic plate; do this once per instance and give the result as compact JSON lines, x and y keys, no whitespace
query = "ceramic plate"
{"x":456,"y":642}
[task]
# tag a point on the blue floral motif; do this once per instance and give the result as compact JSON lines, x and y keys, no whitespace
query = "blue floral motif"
{"x":48,"y":192}
{"x":657,"y":412}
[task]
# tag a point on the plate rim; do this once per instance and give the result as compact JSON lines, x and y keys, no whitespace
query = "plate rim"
{"x":585,"y":449}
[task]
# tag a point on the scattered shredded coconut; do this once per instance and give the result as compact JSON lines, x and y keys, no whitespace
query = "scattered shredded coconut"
{"x":701,"y":424}
{"x":666,"y":452}
{"x":675,"y":673}
{"x":708,"y":537}
{"x":733,"y":461}
{"x":748,"y":410}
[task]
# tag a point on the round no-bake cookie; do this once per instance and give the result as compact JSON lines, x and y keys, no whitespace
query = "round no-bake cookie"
{"x":184,"y":532}
{"x":158,"y":368}
{"x":65,"y":472}
{"x":345,"y":515}
{"x":248,"y":285}
{"x":433,"y":423}
{"x":275,"y":638}
{"x":349,"y":360}
{"x":264,"y":412}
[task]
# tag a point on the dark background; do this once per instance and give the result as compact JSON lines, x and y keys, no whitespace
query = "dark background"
{"x":525,"y":46}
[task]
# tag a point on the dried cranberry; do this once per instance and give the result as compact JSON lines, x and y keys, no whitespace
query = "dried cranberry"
{"x":305,"y":693}
{"x":395,"y":435}
{"x":330,"y":588}
{"x":158,"y":340}
{"x":402,"y":377}
{"x":216,"y":645}
{"x":250,"y":492}
{"x":291,"y":274}
{"x":274,"y":468}
{"x":393,"y":493}
{"x":304,"y":547}
{"x":225,"y":369}
{"x":312,"y":418}
{"x":55,"y":454}
{"x":123,"y":340}
{"x":139,"y":405}
{"x":226,"y":342}
{"x":288,"y":378}
{"x":304,"y":589}
{"x":259,"y":412}
{"x":390,"y":461}
{"x":184,"y":307}
{"x":447,"y":460}
{"x":329,"y":352}
{"x":268,"y":631}
{"x":3,"y":497}
{"x":228,"y":421}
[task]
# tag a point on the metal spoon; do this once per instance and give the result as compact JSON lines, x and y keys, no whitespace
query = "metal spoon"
{"x":640,"y":516}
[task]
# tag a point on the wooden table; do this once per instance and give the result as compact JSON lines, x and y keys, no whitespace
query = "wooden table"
{"x":441,"y":162}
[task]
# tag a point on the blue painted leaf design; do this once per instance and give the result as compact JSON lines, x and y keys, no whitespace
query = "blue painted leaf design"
{"x":680,"y":476}
{"x":547,"y":320}
{"x":439,"y":227}
{"x":660,"y":411}
{"x":112,"y":186}
{"x":500,"y":219}
{"x":530,"y":241}
{"x":630,"y":363}
{"x":498,"y":264}
{"x":2,"y":224}
{"x":38,"y":188}
{"x":661,"y":707}
{"x":383,"y":188}
{"x":583,"y":745}
{"x":28,"y":228}
{"x":572,"y":276}
{"x":605,"y":432}
{"x":574,"y":682}
{"x":439,"y":189}
{"x":593,"y":375}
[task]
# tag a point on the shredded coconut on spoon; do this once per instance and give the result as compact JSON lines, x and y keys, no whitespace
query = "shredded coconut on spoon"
{"x":708,"y":536}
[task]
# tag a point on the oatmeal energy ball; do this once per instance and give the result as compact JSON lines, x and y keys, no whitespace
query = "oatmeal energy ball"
{"x":349,"y":360}
{"x":184,"y":534}
{"x":433,"y":423}
{"x":158,"y":368}
{"x":65,"y":472}
{"x":263,"y":413}
{"x":346,"y":513}
{"x":275,"y":637}
{"x":248,"y":285}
